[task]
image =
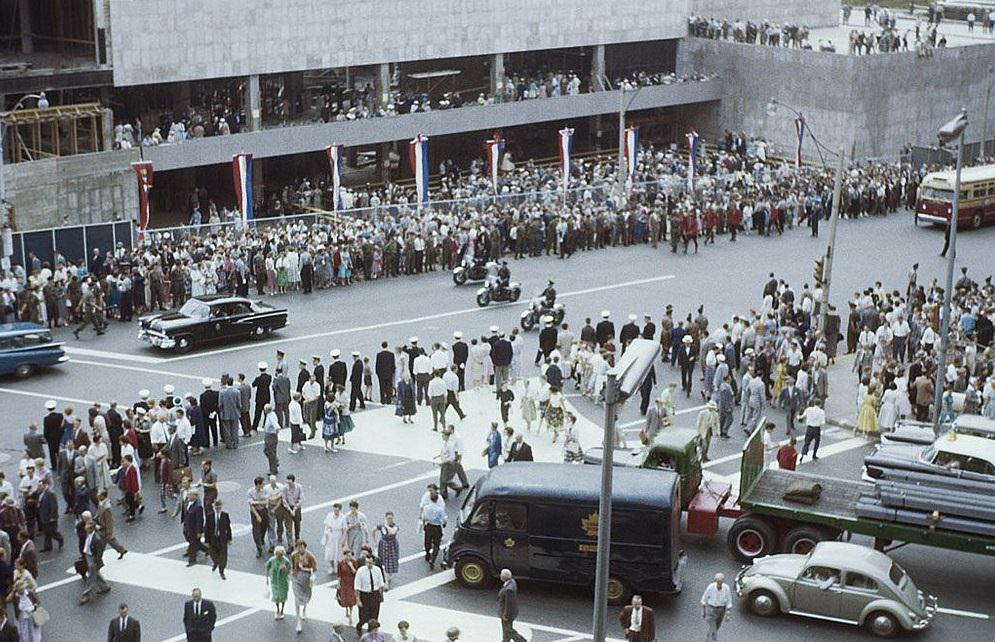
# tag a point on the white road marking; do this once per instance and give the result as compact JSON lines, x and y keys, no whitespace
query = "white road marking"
{"x":226,"y":620}
{"x":970,"y":614}
{"x":736,"y":455}
{"x":51,"y":585}
{"x":166,"y":373}
{"x":636,"y":422}
{"x":399,"y":464}
{"x":40,"y":395}
{"x":120,"y":356}
{"x":375,"y":326}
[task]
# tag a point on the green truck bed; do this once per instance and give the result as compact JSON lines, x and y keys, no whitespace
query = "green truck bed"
{"x":761,"y":491}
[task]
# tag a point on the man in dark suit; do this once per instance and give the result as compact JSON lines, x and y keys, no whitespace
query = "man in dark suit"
{"x":686,"y":357}
{"x":229,"y":412}
{"x":461,"y":354}
{"x":303,"y":376}
{"x":508,"y":607}
{"x":199,"y":617}
{"x":319,"y":371}
{"x":262,"y":384}
{"x":501,"y":354}
{"x":356,"y":383}
{"x":519,"y":451}
{"x":115,"y":430}
{"x":384,"y":367}
{"x":210,"y":399}
{"x":217,"y":534}
{"x":628,"y":332}
{"x":281,"y":397}
{"x":48,"y":516}
{"x":605,"y":329}
{"x":93,"y":554}
{"x":124,"y":628}
{"x":337,"y":371}
{"x":637,"y":621}
{"x":192,"y":519}
{"x":52,"y":429}
{"x":547,"y":340}
{"x":649,"y":329}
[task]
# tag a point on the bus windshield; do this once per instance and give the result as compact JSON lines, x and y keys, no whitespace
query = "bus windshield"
{"x":937,"y":194}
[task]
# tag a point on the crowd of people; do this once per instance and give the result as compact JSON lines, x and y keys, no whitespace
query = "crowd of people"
{"x":896,"y":337}
{"x":750,"y":32}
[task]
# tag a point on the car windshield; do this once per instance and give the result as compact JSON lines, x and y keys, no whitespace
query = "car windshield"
{"x":464,"y":513}
{"x":195,"y":309}
{"x":898,"y":576}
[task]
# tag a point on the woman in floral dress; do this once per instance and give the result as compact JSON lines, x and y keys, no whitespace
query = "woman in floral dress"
{"x":330,"y":424}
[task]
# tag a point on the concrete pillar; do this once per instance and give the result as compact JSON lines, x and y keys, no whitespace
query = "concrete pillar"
{"x":253,"y":104}
{"x":382,"y":88}
{"x":27,"y":42}
{"x":598,"y":68}
{"x":383,"y":162}
{"x":497,"y":73}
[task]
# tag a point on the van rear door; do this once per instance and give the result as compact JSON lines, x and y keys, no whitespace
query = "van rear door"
{"x":510,"y":537}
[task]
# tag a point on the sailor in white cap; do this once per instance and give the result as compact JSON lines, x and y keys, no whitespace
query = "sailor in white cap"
{"x":457,"y":335}
{"x":628,"y":332}
{"x":605,"y":329}
{"x":262,"y":383}
{"x":337,"y":370}
{"x":494,"y":329}
{"x":686,"y":357}
{"x":649,"y":328}
{"x":168,"y":389}
{"x":356,"y":394}
{"x":413,"y":341}
{"x":207,"y":382}
{"x":53,"y":428}
{"x":461,"y":354}
{"x":50,"y":404}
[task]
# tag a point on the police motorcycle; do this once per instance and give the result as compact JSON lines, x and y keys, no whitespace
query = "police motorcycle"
{"x":475,"y":272}
{"x":498,"y":286}
{"x":538,"y":309}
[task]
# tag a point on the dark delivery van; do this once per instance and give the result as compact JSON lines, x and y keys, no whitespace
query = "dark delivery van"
{"x":540,"y":521}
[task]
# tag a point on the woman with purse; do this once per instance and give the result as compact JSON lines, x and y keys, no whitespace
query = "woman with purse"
{"x":303,"y":566}
{"x":277,"y":576}
{"x":29,"y":614}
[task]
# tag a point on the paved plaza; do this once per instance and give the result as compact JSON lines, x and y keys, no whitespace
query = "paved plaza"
{"x":386,"y":465}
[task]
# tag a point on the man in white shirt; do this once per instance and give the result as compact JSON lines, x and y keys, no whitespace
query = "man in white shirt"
{"x":900,"y":330}
{"x":369,"y":582}
{"x":447,"y":465}
{"x":814,"y":418}
{"x":312,"y":404}
{"x":295,"y":414}
{"x":451,"y":379}
{"x":439,"y":358}
{"x":421,"y":367}
{"x":183,"y":428}
{"x":437,"y":400}
{"x":716,"y":605}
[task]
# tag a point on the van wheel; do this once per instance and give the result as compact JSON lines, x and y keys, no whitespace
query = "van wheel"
{"x":618,"y":591}
{"x":472,"y":573}
{"x":24,"y":370}
{"x":751,"y":537}
{"x":764,"y":603}
{"x":802,"y":539}
{"x":882,"y":624}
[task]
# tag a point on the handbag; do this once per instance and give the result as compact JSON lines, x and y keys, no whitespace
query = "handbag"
{"x":40,"y":616}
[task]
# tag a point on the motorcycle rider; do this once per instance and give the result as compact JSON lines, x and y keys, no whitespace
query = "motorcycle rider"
{"x":504,"y":276}
{"x":549,"y":296}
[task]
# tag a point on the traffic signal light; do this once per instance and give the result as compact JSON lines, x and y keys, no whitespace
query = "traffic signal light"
{"x":820,"y":264}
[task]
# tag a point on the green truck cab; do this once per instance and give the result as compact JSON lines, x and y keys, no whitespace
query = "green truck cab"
{"x":676,"y":449}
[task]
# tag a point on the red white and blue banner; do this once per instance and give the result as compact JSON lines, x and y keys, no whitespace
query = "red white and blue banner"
{"x":692,"y":137}
{"x":566,"y":144}
{"x":335,"y":162}
{"x":495,"y":148}
{"x":241,"y":166}
{"x":143,"y":170}
{"x":631,"y":153}
{"x":800,"y":131}
{"x":418,"y":155}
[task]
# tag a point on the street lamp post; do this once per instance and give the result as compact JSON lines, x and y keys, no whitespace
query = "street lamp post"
{"x":42,"y":104}
{"x":953,"y":130}
{"x":984,"y":125}
{"x":827,"y":272}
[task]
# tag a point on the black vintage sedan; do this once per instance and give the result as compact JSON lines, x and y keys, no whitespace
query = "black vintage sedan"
{"x":210,"y":319}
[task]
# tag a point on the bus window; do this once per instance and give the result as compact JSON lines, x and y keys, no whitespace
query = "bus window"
{"x":938,"y":194}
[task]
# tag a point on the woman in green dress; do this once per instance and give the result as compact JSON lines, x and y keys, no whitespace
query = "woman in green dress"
{"x":277,"y":579}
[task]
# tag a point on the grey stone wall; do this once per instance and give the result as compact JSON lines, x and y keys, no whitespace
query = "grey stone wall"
{"x":875,"y":103}
{"x":87,"y":188}
{"x":811,"y":13}
{"x":158,"y":40}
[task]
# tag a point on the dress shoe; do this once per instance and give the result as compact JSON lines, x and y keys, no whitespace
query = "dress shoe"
{"x":103,"y":590}
{"x":223,"y":575}
{"x":122,"y":554}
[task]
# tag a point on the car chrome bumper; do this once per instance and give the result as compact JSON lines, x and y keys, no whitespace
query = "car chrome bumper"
{"x":64,"y":358}
{"x":738,"y":582}
{"x":156,"y":339}
{"x":930,"y":602}
{"x":931,"y":218}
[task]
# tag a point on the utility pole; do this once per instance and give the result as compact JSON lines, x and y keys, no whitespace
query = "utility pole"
{"x":953,"y":130}
{"x":834,"y":219}
{"x":605,"y":511}
{"x":620,"y":182}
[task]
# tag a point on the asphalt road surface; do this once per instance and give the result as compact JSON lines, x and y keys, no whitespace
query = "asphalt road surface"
{"x":386,"y":465}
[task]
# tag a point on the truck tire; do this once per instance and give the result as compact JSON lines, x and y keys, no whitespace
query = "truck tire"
{"x":619,"y":591}
{"x":751,"y":537}
{"x":882,"y":624}
{"x":471,"y":572}
{"x":764,"y":603}
{"x":800,"y":540}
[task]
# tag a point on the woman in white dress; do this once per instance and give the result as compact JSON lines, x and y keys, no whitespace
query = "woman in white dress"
{"x":904,"y":403}
{"x":888,"y":413}
{"x":197,"y":281}
{"x":528,"y":402}
{"x":293,"y":269}
{"x":99,"y":454}
{"x":480,"y":354}
{"x":516,"y":354}
{"x":333,"y":537}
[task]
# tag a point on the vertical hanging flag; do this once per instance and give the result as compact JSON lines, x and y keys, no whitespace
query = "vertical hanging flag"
{"x":566,"y":143}
{"x":800,"y":131}
{"x":631,"y":153}
{"x":143,"y":170}
{"x":418,"y":155}
{"x":495,"y":148}
{"x":241,"y":165}
{"x":692,"y":137}
{"x":335,"y":162}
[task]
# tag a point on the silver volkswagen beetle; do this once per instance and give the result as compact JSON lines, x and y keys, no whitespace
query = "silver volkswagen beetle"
{"x":839,"y":582}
